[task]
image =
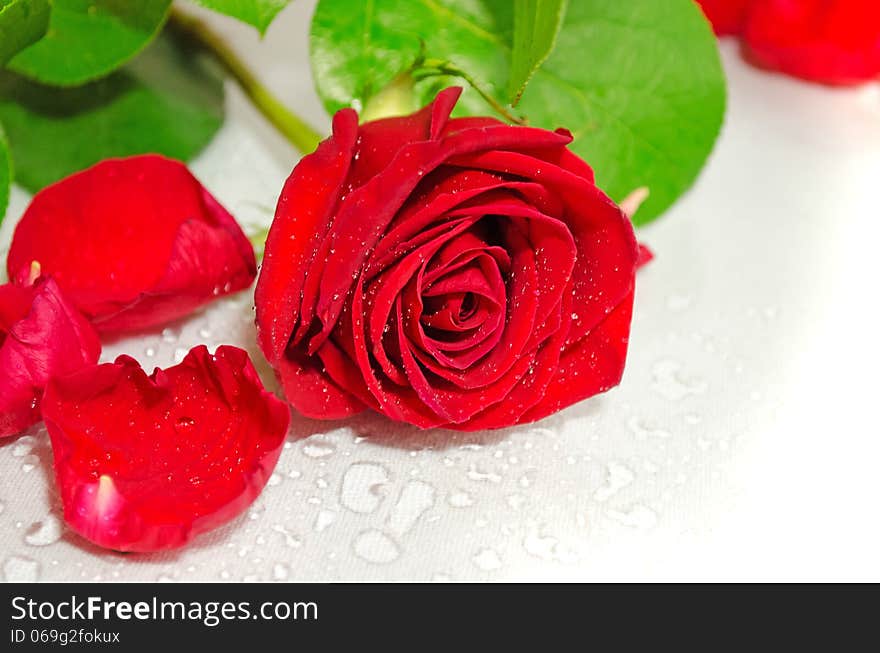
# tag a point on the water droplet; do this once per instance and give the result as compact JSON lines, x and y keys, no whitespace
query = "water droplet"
{"x":44,"y":533}
{"x":184,"y":425}
{"x":540,"y":546}
{"x":179,"y":354}
{"x":670,"y":384}
{"x":415,"y":498}
{"x":318,"y":449}
{"x":460,"y":499}
{"x":361,"y":489}
{"x":29,"y":462}
{"x":638,"y":516}
{"x":274,"y":480}
{"x":323,"y":519}
{"x":528,"y":479}
{"x":290,"y":539}
{"x":23,"y":446}
{"x":280,"y":571}
{"x":516,"y":501}
{"x":643,"y":430}
{"x":487,"y":560}
{"x":476,"y":474}
{"x":618,"y":477}
{"x":375,"y":546}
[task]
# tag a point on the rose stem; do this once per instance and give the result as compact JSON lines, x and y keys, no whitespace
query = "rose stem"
{"x":431,"y":67}
{"x":291,"y":126}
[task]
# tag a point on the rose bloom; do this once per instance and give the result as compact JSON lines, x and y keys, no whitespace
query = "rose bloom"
{"x":445,"y":272}
{"x":828,"y":41}
{"x":134,"y":243}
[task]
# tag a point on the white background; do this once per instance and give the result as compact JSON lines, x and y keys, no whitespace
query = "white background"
{"x":743,"y":443}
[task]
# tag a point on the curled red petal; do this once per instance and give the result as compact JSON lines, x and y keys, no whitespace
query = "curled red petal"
{"x":133,"y":242}
{"x":302,"y":218}
{"x":41,"y":335}
{"x":146,"y":463}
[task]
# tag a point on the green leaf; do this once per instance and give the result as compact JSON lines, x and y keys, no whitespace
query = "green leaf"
{"x":357,"y":47}
{"x":5,"y":174}
{"x":169,"y":100}
{"x":259,"y":13}
{"x":88,"y":39}
{"x":535,"y":26}
{"x":639,"y":83}
{"x":22,"y":22}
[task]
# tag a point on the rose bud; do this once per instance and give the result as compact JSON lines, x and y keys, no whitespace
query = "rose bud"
{"x":146,"y":463}
{"x":445,"y":272}
{"x":41,"y":335}
{"x":134,"y":243}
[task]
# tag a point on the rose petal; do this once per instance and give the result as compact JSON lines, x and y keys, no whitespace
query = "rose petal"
{"x":301,"y":220}
{"x":834,"y":42}
{"x":592,"y":366}
{"x":134,"y":243}
{"x":352,"y":238}
{"x":532,"y":386}
{"x":41,"y":335}
{"x":145,"y":463}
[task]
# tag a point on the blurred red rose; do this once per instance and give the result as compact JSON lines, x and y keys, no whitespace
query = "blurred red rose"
{"x":146,"y":463}
{"x":828,"y":41}
{"x":445,"y":272}
{"x":134,"y":243}
{"x":41,"y":335}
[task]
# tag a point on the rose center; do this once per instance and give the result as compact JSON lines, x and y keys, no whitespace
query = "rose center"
{"x":468,"y":306}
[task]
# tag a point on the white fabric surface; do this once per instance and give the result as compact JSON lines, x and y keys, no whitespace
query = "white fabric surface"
{"x":742,"y":443}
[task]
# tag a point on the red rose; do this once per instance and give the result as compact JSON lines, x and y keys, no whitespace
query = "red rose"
{"x":445,"y":272}
{"x":829,"y":41}
{"x":146,"y":463}
{"x":134,"y":243}
{"x":41,"y":335}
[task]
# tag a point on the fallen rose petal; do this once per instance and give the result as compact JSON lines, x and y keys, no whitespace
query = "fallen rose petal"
{"x":41,"y":335}
{"x":134,"y":243}
{"x":146,"y":463}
